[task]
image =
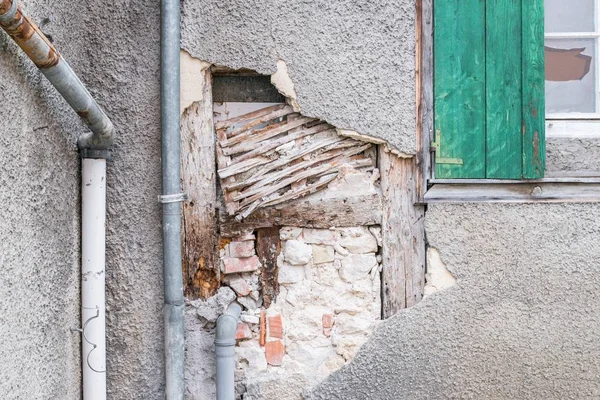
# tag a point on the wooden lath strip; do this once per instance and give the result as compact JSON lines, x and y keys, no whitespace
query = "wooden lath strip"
{"x":253,"y":139}
{"x":265,"y":147}
{"x":234,"y":135}
{"x":252,"y":115}
{"x":257,"y":176}
{"x":268,"y":179}
{"x":273,"y":155}
{"x":257,"y":193}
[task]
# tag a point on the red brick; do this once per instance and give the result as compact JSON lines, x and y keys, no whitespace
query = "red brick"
{"x":237,"y":265}
{"x":241,"y":249}
{"x":276,"y":327}
{"x":243,"y":331}
{"x":274,"y":351}
{"x":239,"y":285}
{"x":328,"y":321}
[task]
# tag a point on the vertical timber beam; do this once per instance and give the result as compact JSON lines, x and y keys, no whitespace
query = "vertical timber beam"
{"x":198,"y":171}
{"x":268,"y":247}
{"x":403,"y":234}
{"x":424,"y":74}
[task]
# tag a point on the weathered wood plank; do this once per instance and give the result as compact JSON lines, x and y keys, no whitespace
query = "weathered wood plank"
{"x":534,"y":110}
{"x":403,"y":235}
{"x":503,"y":89}
{"x":459,"y":53}
{"x":515,"y":193}
{"x":424,"y":68}
{"x":320,"y":210}
{"x":268,"y":247}
{"x":200,"y":237}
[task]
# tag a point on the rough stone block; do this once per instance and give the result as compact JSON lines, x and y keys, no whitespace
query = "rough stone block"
{"x":319,"y":236}
{"x":249,"y":303}
{"x":236,"y":265}
{"x":357,"y":266}
{"x":290,"y":274}
{"x":239,"y":285}
{"x":243,"y":331}
{"x":289,"y":233}
{"x":322,"y":254}
{"x":297,"y":253}
{"x":251,"y":355}
{"x":241,"y":249}
{"x":357,"y":240}
{"x":276,"y":327}
{"x":275,"y":351}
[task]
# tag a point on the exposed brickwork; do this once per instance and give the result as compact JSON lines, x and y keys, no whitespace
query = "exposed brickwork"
{"x":243,"y":331}
{"x":276,"y":327}
{"x":275,"y":351}
{"x":237,"y":265}
{"x":241,"y":249}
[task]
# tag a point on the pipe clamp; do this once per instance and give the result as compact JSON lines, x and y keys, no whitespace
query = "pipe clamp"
{"x":172,"y":198}
{"x":10,"y":14}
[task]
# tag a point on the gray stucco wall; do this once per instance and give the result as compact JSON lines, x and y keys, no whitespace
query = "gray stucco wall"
{"x":523,"y":321}
{"x":352,"y":62}
{"x":115,"y":49}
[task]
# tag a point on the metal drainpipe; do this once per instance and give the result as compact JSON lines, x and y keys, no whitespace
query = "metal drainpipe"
{"x":225,"y":351}
{"x":94,"y":147}
{"x":171,"y":199}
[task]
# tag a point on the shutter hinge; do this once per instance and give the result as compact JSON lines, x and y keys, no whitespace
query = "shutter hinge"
{"x":436,"y":148}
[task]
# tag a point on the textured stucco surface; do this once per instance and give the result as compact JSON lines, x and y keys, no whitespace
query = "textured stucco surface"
{"x":523,"y":321}
{"x":573,"y":156}
{"x":352,"y":62}
{"x":115,"y":50}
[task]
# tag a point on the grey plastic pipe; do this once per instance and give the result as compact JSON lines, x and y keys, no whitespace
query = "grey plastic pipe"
{"x":171,"y":199}
{"x":225,"y":351}
{"x":34,"y":43}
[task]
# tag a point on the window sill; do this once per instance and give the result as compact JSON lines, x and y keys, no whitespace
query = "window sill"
{"x":558,"y":190}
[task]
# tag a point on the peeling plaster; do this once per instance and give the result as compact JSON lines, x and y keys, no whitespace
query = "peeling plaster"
{"x":438,"y":277}
{"x":192,"y":79}
{"x":284,"y":84}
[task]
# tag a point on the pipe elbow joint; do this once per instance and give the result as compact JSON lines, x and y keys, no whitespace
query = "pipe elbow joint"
{"x":227,"y":326}
{"x":97,"y":144}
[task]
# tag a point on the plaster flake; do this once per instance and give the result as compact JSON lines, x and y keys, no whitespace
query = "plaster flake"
{"x":284,"y":84}
{"x":438,"y":277}
{"x":192,"y":79}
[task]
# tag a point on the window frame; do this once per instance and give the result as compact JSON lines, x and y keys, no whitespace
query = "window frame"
{"x":545,"y":190}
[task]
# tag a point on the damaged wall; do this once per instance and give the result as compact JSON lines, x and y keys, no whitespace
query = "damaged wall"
{"x":328,"y":305}
{"x":522,"y":321}
{"x":352,"y":63}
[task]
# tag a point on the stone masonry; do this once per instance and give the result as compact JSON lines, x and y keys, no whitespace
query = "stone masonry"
{"x":329,"y":304}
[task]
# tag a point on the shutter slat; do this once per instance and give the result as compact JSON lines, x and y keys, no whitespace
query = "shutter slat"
{"x":534,"y":110}
{"x":459,"y":88}
{"x":503,"y":89}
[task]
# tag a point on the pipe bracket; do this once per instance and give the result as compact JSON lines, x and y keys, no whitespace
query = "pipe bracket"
{"x":9,"y":15}
{"x":96,"y":153}
{"x":172,"y":198}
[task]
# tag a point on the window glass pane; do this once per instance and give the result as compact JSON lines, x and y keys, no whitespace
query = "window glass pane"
{"x":570,"y":75}
{"x":569,"y":16}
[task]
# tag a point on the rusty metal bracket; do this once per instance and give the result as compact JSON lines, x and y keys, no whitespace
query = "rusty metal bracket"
{"x":436,"y":147}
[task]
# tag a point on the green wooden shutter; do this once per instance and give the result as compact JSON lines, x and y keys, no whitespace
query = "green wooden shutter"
{"x":489,"y":89}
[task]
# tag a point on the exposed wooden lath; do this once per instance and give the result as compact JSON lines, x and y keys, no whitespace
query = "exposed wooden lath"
{"x":273,"y":155}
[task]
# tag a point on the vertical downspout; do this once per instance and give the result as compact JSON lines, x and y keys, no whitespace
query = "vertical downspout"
{"x":95,"y":148}
{"x":171,"y":199}
{"x":225,"y":351}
